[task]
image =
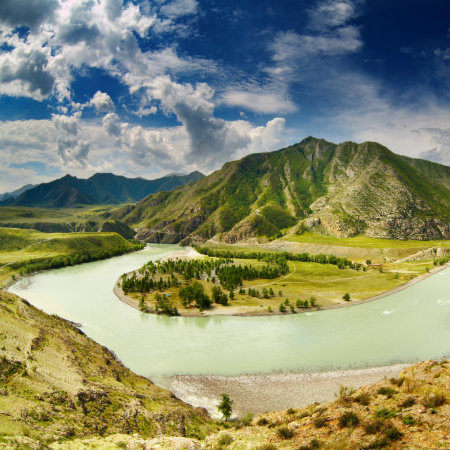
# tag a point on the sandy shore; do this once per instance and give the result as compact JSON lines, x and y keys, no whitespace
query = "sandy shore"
{"x":262,"y":393}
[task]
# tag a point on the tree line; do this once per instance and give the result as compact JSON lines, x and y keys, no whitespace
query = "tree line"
{"x":342,"y":263}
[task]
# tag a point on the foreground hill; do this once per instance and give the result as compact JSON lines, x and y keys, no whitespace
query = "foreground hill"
{"x":57,"y":384}
{"x":101,"y":188}
{"x":342,"y":190}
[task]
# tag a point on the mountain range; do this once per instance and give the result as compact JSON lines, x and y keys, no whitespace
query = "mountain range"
{"x":101,"y":188}
{"x":342,"y":189}
{"x":16,"y":193}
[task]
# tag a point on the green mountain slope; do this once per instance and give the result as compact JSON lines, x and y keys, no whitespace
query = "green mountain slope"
{"x":342,"y":190}
{"x":101,"y":188}
{"x":56,"y":384}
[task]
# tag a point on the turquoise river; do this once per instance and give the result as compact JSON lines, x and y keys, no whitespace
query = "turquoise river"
{"x":408,"y":326}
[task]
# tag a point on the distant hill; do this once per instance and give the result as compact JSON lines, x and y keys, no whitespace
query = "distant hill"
{"x":101,"y":188}
{"x":16,"y":193}
{"x":342,"y":190}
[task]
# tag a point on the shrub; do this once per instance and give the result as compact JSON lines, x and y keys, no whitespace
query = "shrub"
{"x":384,"y":414}
{"x":408,"y":402}
{"x":314,"y":444}
{"x":345,"y":394}
{"x":319,"y":422}
{"x":291,"y":411}
{"x":397,"y":381}
{"x":346,"y":297}
{"x":284,"y":432}
{"x":373,"y":427}
{"x":262,"y":421}
{"x":348,"y":419}
{"x":247,"y":420}
{"x":434,"y":400}
{"x":282,"y":308}
{"x":363,"y":398}
{"x":408,"y":420}
{"x":225,"y":439}
{"x":392,"y":433}
{"x":387,"y":391}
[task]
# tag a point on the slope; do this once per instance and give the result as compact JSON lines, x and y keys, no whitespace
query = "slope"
{"x":56,"y":384}
{"x":101,"y":188}
{"x":342,"y":190}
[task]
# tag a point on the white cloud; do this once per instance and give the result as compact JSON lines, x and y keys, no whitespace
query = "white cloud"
{"x":177,"y":8}
{"x":102,"y":103}
{"x":300,"y":57}
{"x":73,"y":35}
{"x":258,"y":99}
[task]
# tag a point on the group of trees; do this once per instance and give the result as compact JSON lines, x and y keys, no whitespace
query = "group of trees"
{"x":194,"y":294}
{"x":54,"y":262}
{"x":342,"y":263}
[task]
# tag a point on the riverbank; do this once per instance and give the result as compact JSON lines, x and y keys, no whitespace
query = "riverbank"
{"x":233,"y":309}
{"x":257,"y":394}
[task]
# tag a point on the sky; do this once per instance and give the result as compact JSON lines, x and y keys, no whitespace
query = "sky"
{"x":151,"y":87}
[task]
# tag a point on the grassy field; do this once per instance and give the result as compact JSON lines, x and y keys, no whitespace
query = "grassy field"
{"x":363,"y":241}
{"x":26,"y":215}
{"x":325,"y":282}
{"x":21,"y":245}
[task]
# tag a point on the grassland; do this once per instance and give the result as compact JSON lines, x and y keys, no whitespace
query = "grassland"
{"x":19,"y":246}
{"x":26,"y":216}
{"x":326,"y":283}
{"x":363,"y":241}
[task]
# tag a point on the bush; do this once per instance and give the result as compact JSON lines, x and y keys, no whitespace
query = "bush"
{"x":373,"y":427}
{"x":408,"y":402}
{"x":387,"y":391}
{"x":262,"y":421}
{"x":314,"y":444}
{"x":247,"y":420}
{"x":225,"y":439}
{"x":408,"y":420}
{"x":319,"y":422}
{"x":282,"y":308}
{"x":397,"y":381}
{"x":346,"y":297}
{"x":363,"y":398}
{"x":392,"y":433}
{"x":434,"y":400}
{"x":284,"y":432}
{"x":348,"y":419}
{"x":384,"y":414}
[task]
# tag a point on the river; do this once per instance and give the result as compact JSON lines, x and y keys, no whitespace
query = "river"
{"x":408,"y":326}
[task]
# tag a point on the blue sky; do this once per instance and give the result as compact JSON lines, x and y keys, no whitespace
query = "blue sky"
{"x":145,"y":88}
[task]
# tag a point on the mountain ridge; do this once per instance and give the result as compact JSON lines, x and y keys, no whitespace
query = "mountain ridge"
{"x":100,"y":188}
{"x":339,"y":189}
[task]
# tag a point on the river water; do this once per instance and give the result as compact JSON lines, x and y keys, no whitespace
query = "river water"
{"x":408,"y":326}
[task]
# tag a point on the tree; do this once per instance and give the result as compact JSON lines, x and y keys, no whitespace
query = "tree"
{"x":218,"y":296}
{"x":225,"y":406}
{"x":312,"y":301}
{"x":194,"y":293}
{"x":346,"y":297}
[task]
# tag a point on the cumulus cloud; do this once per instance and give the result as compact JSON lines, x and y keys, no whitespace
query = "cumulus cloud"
{"x":201,"y":141}
{"x":71,"y":149}
{"x":26,"y":12}
{"x":102,"y":103}
{"x":66,"y":36}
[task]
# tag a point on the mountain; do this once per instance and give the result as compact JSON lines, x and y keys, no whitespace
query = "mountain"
{"x":342,"y":190}
{"x":101,"y":188}
{"x":16,"y":193}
